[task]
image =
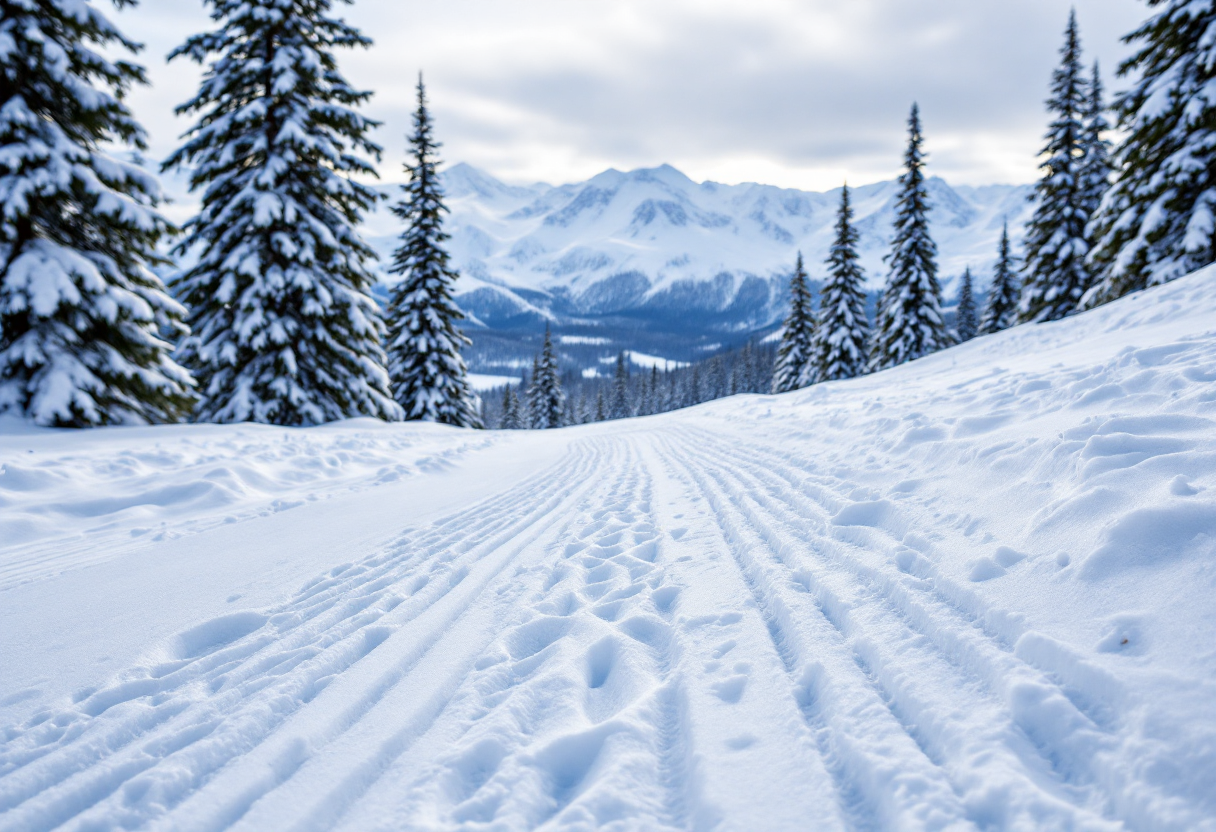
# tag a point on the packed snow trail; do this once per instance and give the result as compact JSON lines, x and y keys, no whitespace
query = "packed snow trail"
{"x":975,"y":592}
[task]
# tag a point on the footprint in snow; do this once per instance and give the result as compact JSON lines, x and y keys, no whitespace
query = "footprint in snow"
{"x":730,"y":690}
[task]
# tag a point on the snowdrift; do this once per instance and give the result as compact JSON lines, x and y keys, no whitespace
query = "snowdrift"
{"x":976,"y":591}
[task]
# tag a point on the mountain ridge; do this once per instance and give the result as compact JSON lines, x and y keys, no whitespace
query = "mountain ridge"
{"x":649,"y":255}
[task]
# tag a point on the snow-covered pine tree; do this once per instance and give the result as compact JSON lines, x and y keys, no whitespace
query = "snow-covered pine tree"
{"x":518,"y":420}
{"x":509,"y":419}
{"x":570,"y":413}
{"x":621,"y":406}
{"x":1054,"y":268}
{"x":1001,"y":308}
{"x":838,"y":349}
{"x":965,"y":324}
{"x":797,"y":334}
{"x":1096,"y":164}
{"x":284,"y":328}
{"x":601,"y":412}
{"x":428,"y":374}
{"x":909,"y":322}
{"x":505,"y":410}
{"x":531,"y":399}
{"x":547,"y":398}
{"x":81,"y":313}
{"x":1158,"y":220}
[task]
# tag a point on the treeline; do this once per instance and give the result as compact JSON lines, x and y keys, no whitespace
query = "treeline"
{"x":1106,"y":222}
{"x":546,"y":399}
{"x":275,"y":321}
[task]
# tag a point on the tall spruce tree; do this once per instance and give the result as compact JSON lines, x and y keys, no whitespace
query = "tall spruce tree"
{"x":284,"y":328}
{"x":838,"y":348}
{"x":1096,"y":164}
{"x":81,"y":313}
{"x":429,"y":377}
{"x":532,"y":409}
{"x":1054,"y":268}
{"x":966,"y":324}
{"x":512,"y":412}
{"x":1158,"y":221}
{"x":570,"y":413}
{"x":1001,"y":308}
{"x":621,"y":407}
{"x":549,"y":398}
{"x":797,"y":334}
{"x":909,"y":322}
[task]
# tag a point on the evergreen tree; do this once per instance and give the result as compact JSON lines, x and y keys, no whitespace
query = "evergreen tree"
{"x":966,"y":324}
{"x":429,"y":377}
{"x":839,"y":346}
{"x":532,"y":398}
{"x":1158,"y":221}
{"x":797,"y":335}
{"x":600,"y":412}
{"x":1056,"y":274}
{"x":505,"y":414}
{"x":284,"y":328}
{"x":81,"y":313}
{"x":1001,"y":308}
{"x":512,"y":417}
{"x":693,"y":394}
{"x":1096,"y":164}
{"x":621,"y":408}
{"x":909,"y":322}
{"x":548,"y":399}
{"x":518,"y":413}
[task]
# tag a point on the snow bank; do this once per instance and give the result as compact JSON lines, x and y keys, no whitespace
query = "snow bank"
{"x":975,"y":591}
{"x":164,"y":482}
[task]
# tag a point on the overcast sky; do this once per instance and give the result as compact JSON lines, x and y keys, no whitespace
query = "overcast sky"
{"x":797,"y":93}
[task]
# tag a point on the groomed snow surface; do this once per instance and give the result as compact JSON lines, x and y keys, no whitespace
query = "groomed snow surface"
{"x":977,"y":591}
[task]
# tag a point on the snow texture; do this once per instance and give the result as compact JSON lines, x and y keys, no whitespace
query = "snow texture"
{"x":975,"y":591}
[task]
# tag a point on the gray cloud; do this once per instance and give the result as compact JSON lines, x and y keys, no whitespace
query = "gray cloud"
{"x":780,"y":91}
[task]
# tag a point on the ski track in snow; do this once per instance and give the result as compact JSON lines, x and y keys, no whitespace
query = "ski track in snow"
{"x":680,"y":625}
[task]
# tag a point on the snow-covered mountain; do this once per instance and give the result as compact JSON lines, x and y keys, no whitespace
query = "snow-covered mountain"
{"x":655,"y":248}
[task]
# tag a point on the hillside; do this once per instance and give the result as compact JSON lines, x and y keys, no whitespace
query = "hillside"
{"x":651,"y":261}
{"x":977,"y":591}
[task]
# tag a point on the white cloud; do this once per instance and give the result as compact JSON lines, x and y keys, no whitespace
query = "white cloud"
{"x":791,"y":92}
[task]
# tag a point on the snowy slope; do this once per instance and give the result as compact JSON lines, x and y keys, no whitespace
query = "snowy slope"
{"x":977,"y":591}
{"x":642,"y":239}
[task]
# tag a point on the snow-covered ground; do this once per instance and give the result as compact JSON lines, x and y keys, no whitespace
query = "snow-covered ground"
{"x":977,"y":591}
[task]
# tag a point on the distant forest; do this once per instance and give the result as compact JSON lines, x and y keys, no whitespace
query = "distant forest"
{"x":633,"y":391}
